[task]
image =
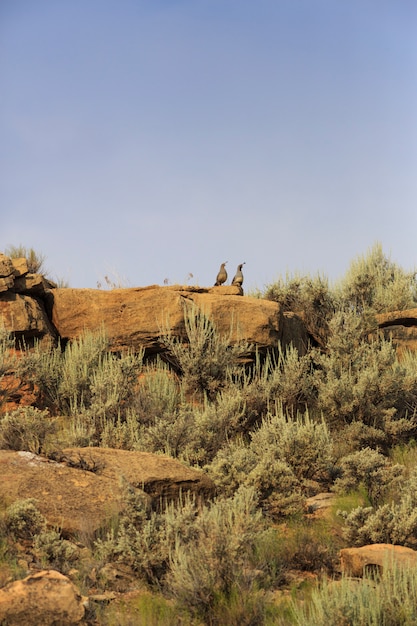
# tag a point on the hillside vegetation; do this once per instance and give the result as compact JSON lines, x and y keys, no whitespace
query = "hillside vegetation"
{"x":341,"y":418}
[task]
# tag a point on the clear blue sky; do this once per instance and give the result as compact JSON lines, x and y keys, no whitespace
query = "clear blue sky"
{"x":147,"y":140}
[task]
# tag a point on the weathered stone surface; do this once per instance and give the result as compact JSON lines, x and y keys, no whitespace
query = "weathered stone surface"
{"x":46,"y":598}
{"x":320,"y":504}
{"x":6,"y":266}
{"x":25,"y":316}
{"x":31,"y":284}
{"x":77,"y":500}
{"x":401,"y":327}
{"x":20,"y":266}
{"x":160,"y":477}
{"x":356,"y":561}
{"x":137,"y":317}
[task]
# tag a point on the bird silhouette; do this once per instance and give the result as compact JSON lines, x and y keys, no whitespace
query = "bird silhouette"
{"x":238,"y":277}
{"x":221,"y":276}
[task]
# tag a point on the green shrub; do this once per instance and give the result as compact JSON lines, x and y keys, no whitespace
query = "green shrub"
{"x":144,"y":539}
{"x":9,"y":384}
{"x":23,"y":520}
{"x":277,"y":488}
{"x":304,"y":545}
{"x":86,"y":381}
{"x":394,"y":522}
{"x":207,"y":360}
{"x":361,"y":380}
{"x":284,"y":377}
{"x":158,"y":395}
{"x":54,"y":551}
{"x":207,"y":574}
{"x":210,"y":426}
{"x":372,"y":469}
{"x":284,"y":458}
{"x":388,"y":601}
{"x":304,"y":444}
{"x":231,"y":466}
{"x":26,"y":428}
{"x":312,"y":297}
{"x":376,"y":284}
{"x":34,"y":259}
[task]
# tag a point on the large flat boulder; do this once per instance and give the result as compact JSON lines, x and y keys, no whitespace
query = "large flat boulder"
{"x":82,"y":490}
{"x":137,"y":317}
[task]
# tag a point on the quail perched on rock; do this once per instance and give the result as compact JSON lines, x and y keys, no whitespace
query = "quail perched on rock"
{"x":238,"y":277}
{"x":221,"y":276}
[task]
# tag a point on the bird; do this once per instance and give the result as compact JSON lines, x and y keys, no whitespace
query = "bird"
{"x":238,"y":277}
{"x":221,"y":276}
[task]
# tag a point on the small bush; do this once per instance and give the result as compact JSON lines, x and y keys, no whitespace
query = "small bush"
{"x":388,"y":601}
{"x":34,"y":259}
{"x":302,"y":545}
{"x":394,"y":522}
{"x":358,"y":380}
{"x":23,"y":520}
{"x":231,"y":466}
{"x":54,"y":551}
{"x":9,"y":383}
{"x":207,"y":574}
{"x":372,"y":469}
{"x":208,"y":360}
{"x":304,"y":444}
{"x":144,"y":539}
{"x":377,"y":284}
{"x":310,"y":296}
{"x":277,"y":488}
{"x":26,"y":428}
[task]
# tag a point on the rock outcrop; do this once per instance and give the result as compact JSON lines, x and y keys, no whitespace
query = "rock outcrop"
{"x":46,"y":598}
{"x":137,"y":317}
{"x":25,"y":301}
{"x":80,"y":492}
{"x":401,"y":328}
{"x":357,"y":561}
{"x":32,"y":307}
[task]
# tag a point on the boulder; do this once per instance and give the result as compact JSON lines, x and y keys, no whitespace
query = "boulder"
{"x":26,"y":317}
{"x":82,"y":489}
{"x":401,"y":327}
{"x":20,"y":267}
{"x":46,"y":598}
{"x":137,"y":317}
{"x":357,"y":561}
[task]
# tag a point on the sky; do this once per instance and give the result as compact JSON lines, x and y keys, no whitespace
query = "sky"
{"x":151,"y":140}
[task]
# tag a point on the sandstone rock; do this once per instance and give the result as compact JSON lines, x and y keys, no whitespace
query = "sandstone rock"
{"x":356,"y":561}
{"x":160,"y":477}
{"x":401,"y":327}
{"x":46,"y":598}
{"x":80,"y":501}
{"x":136,"y":317}
{"x":6,"y":266}
{"x":6,"y":273}
{"x":32,"y":284}
{"x":25,"y":317}
{"x":20,"y":266}
{"x":320,"y":504}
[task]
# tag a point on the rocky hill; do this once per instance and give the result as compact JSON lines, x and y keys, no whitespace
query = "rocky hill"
{"x":80,"y":490}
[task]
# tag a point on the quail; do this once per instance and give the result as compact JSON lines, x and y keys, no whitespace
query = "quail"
{"x":238,"y":277}
{"x":221,"y":276}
